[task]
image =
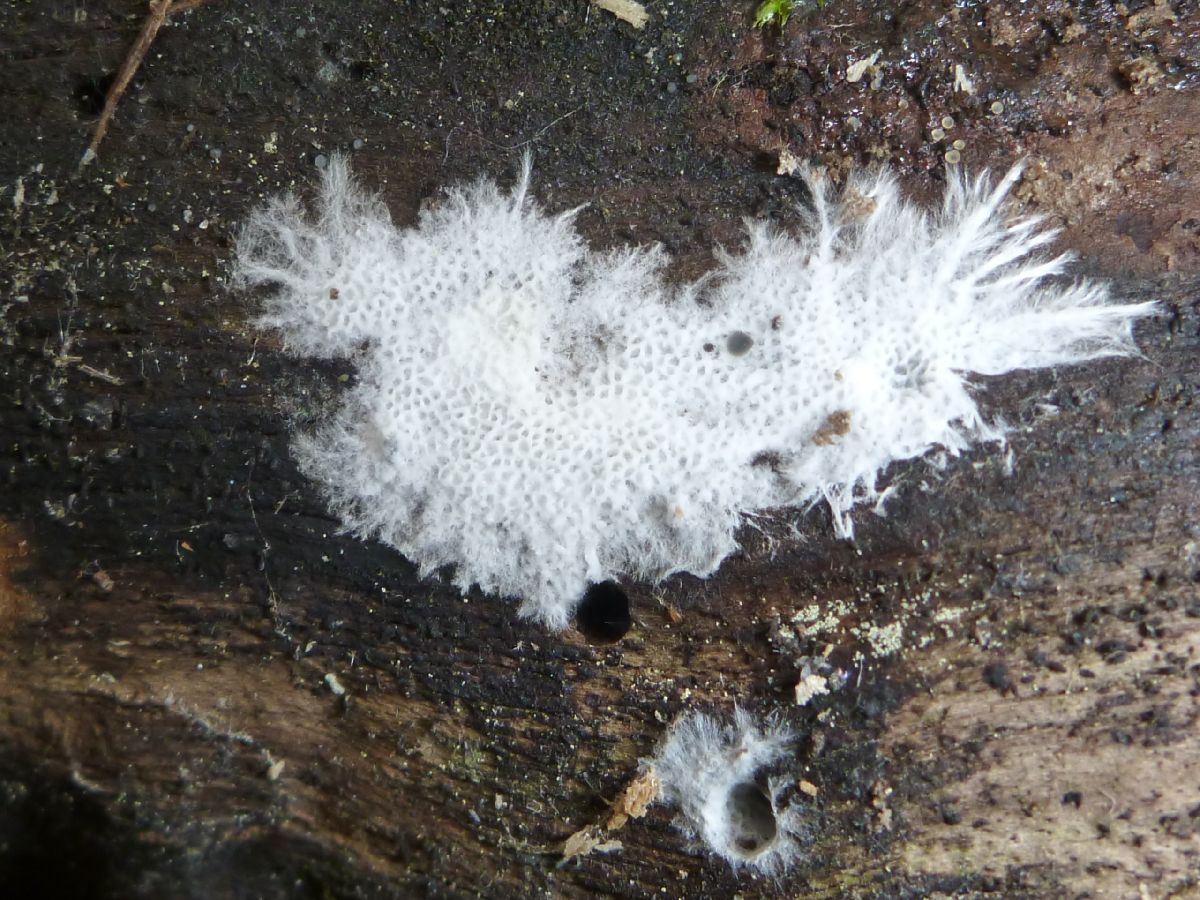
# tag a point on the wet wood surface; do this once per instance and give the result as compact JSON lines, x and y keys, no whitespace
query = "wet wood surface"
{"x":206,"y":690}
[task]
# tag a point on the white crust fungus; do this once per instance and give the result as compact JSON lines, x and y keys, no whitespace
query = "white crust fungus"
{"x":542,"y":416}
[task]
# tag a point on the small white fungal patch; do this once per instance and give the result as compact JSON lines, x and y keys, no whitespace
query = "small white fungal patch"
{"x":541,"y":416}
{"x":713,"y":773}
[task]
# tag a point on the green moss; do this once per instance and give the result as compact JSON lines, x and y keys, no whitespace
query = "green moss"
{"x":777,"y":12}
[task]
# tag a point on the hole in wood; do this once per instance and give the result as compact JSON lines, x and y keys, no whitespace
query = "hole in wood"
{"x":752,"y":827}
{"x":603,"y":615}
{"x":90,"y":91}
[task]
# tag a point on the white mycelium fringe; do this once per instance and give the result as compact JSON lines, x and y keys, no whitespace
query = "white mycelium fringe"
{"x":710,"y":772}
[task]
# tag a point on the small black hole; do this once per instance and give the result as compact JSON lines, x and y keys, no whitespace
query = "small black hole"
{"x":751,"y":818}
{"x":90,"y":92}
{"x":360,"y":70}
{"x":603,"y":614}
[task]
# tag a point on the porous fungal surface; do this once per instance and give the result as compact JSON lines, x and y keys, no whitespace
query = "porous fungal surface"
{"x":542,"y":416}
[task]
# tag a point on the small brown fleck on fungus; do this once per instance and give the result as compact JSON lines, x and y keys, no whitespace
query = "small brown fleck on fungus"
{"x":858,"y":205}
{"x":836,"y":424}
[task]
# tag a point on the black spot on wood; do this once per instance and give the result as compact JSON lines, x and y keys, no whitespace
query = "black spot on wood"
{"x":604,"y":613}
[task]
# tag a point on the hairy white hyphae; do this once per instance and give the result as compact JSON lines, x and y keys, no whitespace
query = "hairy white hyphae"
{"x":714,"y":774}
{"x":542,"y":416}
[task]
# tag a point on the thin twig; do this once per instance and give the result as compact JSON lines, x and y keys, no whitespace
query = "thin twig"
{"x":159,"y":10}
{"x":537,"y":134}
{"x":99,"y":374}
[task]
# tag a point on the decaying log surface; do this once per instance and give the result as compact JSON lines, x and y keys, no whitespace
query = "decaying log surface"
{"x":206,"y":691}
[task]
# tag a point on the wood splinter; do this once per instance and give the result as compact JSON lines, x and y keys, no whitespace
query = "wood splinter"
{"x":631,"y":804}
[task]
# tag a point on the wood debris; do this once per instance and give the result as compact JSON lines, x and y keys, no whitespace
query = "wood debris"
{"x":1160,"y":13}
{"x":94,"y":573}
{"x":632,"y":803}
{"x":625,"y":10}
{"x":810,"y":686}
{"x":103,"y":580}
{"x":582,"y":842}
{"x":856,"y":70}
{"x":789,"y":164}
{"x":634,"y":800}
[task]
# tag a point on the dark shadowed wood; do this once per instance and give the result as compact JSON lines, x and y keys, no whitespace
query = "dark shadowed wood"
{"x":206,"y":691}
